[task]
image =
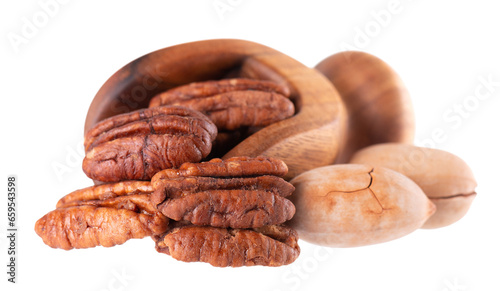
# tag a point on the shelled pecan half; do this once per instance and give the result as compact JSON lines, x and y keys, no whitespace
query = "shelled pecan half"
{"x":232,"y":103}
{"x":104,"y":215}
{"x":136,"y":145}
{"x":238,"y":193}
{"x":227,"y":212}
{"x":221,"y":247}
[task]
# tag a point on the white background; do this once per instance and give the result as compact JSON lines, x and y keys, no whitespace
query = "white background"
{"x":441,"y":51}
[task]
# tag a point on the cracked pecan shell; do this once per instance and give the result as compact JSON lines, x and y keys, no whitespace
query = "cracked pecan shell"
{"x":136,"y":145}
{"x":104,"y":215}
{"x":232,"y":103}
{"x":237,"y":193}
{"x":224,"y":247}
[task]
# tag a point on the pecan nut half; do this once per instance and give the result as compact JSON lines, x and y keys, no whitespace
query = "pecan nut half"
{"x":104,"y":215}
{"x":221,"y":247}
{"x":136,"y":145}
{"x":232,"y":103}
{"x":232,"y":167}
{"x":238,"y":193}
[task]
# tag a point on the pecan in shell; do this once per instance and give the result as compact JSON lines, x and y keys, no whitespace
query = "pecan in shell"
{"x":136,"y":145}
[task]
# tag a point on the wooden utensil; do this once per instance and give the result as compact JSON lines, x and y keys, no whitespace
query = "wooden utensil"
{"x":307,"y":140}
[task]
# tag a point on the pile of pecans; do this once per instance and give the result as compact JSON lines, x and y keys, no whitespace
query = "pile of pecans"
{"x":223,"y":212}
{"x":229,"y":212}
{"x":166,"y":179}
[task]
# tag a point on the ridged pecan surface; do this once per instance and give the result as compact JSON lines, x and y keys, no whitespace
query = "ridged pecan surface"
{"x":136,"y":145}
{"x":232,"y":103}
{"x":221,"y":247}
{"x":104,"y":215}
{"x":238,"y":193}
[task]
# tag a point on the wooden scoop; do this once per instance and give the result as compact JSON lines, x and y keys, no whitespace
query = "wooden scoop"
{"x":307,"y":140}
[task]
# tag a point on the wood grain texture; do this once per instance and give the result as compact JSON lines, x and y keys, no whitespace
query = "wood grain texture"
{"x":305,"y":141}
{"x":377,"y":102}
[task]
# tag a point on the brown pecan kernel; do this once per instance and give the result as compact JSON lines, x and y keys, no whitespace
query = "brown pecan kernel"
{"x":90,"y":226}
{"x":211,"y":88}
{"x":182,"y":186}
{"x":106,"y":191}
{"x":221,"y":247}
{"x":233,"y":103}
{"x":232,"y":167}
{"x":230,"y":208}
{"x":136,"y":145}
{"x":104,"y":215}
{"x":238,"y":193}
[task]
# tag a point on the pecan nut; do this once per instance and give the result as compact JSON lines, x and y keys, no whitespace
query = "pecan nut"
{"x":232,"y":103}
{"x":220,"y":247}
{"x":238,"y":193}
{"x":104,"y":215}
{"x":232,"y":167}
{"x":136,"y":145}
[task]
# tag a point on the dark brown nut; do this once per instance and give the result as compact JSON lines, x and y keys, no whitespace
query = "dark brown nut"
{"x":221,"y":247}
{"x":182,"y":186}
{"x":232,"y":103}
{"x":106,"y":191}
{"x":136,"y":145}
{"x":104,"y":215}
{"x":215,"y":193}
{"x":232,"y":167}
{"x":210,"y":88}
{"x":229,"y":208}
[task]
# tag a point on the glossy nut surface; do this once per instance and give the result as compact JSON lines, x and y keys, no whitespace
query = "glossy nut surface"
{"x":445,"y":178}
{"x":356,"y":205}
{"x":378,"y":103}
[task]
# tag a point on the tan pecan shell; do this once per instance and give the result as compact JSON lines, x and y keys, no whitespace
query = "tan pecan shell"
{"x":221,"y":247}
{"x":136,"y":145}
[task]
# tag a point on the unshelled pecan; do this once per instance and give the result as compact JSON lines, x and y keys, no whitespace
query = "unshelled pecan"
{"x":232,"y":103}
{"x":136,"y":145}
{"x":104,"y":215}
{"x":221,"y":247}
{"x":238,"y":193}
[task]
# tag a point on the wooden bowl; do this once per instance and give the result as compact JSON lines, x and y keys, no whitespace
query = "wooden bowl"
{"x":307,"y":140}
